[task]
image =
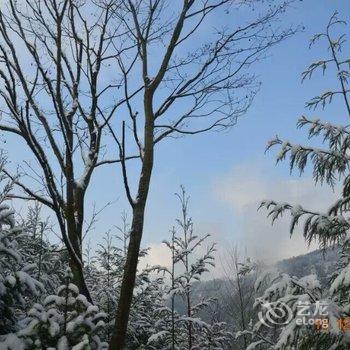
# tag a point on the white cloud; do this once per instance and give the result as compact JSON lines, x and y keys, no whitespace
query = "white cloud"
{"x":246,"y":186}
{"x":158,"y":254}
{"x":241,"y":190}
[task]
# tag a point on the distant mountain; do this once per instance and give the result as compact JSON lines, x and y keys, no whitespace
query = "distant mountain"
{"x":320,"y":261}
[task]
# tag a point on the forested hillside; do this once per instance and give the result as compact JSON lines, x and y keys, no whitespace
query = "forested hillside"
{"x":323,"y":262}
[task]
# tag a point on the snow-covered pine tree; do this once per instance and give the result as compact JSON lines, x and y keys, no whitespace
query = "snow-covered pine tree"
{"x":103,"y":271}
{"x":153,"y":324}
{"x":63,"y":321}
{"x":149,"y":319}
{"x":109,"y":260}
{"x":327,"y":228}
{"x":49,"y":260}
{"x":188,"y":330}
{"x":149,"y":315}
{"x":174,"y":327}
{"x":16,"y":276}
{"x":91,"y":272}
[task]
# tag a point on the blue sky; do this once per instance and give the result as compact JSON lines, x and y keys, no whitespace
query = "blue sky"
{"x":220,"y":170}
{"x":208,"y":163}
{"x":227,"y":173}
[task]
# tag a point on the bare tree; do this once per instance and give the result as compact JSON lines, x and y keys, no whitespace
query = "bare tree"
{"x":193,"y":81}
{"x":57,"y":97}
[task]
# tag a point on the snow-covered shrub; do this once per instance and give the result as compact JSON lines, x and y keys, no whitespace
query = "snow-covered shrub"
{"x":65,"y":320}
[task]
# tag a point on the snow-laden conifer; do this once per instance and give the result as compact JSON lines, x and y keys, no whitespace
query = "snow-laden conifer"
{"x":65,"y":320}
{"x":17,"y":281}
{"x":330,"y":165}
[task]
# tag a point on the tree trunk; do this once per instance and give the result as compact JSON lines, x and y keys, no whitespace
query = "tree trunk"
{"x":172,"y":288}
{"x":76,"y":265}
{"x":78,"y":278}
{"x":122,"y":317}
{"x":189,"y":315}
{"x":118,"y":339}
